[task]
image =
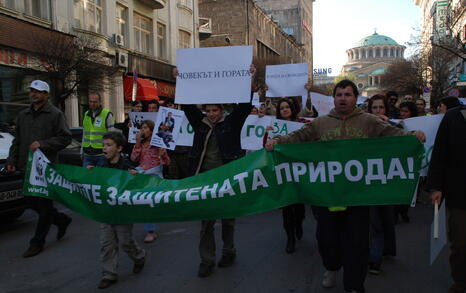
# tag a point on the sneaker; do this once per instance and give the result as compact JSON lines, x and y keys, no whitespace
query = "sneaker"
{"x":137,"y":268}
{"x":205,"y":270}
{"x":330,"y":279}
{"x":374,"y":268}
{"x":227,"y":260}
{"x":150,"y":237}
{"x":62,"y":229}
{"x":105,"y":283}
{"x":32,"y":251}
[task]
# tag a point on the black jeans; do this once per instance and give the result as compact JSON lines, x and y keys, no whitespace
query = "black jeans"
{"x":48,"y":215}
{"x":457,"y":238}
{"x":343,"y":240}
{"x":293,"y":216}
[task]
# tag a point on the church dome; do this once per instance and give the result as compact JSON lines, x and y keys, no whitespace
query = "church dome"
{"x":375,"y":39}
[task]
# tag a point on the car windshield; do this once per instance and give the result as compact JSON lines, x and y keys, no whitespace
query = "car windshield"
{"x":5,"y":142}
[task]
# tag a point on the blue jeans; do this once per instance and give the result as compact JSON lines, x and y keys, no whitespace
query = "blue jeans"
{"x":382,"y":233}
{"x":156,"y":171}
{"x":94,"y":160}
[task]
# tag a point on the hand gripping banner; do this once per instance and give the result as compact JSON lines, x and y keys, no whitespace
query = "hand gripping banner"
{"x":355,"y":172}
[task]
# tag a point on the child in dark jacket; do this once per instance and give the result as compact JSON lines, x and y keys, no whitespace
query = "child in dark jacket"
{"x":111,"y":234}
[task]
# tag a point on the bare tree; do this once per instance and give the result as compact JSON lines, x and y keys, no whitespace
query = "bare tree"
{"x":405,"y":76}
{"x":71,"y":61}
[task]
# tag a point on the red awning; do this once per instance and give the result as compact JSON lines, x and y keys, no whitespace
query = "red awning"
{"x":146,"y":89}
{"x":166,"y":89}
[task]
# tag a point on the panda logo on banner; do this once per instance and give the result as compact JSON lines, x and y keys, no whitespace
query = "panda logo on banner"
{"x":39,"y":164}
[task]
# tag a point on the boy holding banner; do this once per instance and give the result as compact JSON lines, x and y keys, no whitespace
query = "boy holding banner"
{"x":217,"y":141}
{"x":111,"y":234}
{"x":343,"y":232}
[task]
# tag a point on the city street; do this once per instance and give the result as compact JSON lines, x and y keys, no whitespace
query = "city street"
{"x":72,"y":264}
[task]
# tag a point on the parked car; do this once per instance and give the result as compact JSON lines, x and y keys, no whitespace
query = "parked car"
{"x":72,"y":153}
{"x":12,"y":201}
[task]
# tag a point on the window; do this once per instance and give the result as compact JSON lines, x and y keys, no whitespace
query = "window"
{"x":187,"y":3}
{"x":37,"y":8}
{"x":385,"y":52}
{"x":88,"y":15}
{"x":377,"y":52}
{"x":161,"y":41}
{"x":357,"y":54}
{"x":142,"y":33}
{"x":184,"y":40}
{"x":369,"y":53}
{"x":8,"y":3}
{"x":363,"y":53}
{"x":392,"y":53}
{"x":121,"y":21}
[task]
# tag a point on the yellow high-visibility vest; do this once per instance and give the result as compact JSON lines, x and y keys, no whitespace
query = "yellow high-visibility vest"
{"x":93,"y":133}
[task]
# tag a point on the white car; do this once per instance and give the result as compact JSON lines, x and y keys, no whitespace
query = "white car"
{"x":12,"y":201}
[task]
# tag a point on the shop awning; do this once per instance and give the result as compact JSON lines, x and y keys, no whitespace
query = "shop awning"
{"x":146,"y":89}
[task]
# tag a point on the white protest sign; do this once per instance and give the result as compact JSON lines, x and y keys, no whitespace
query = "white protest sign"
{"x":39,"y":163}
{"x":253,"y":131}
{"x":213,"y":75}
{"x":437,"y":244}
{"x":167,"y":127}
{"x":186,"y":134}
{"x":429,"y":125}
{"x":322,"y":103}
{"x":361,"y":100}
{"x":283,"y":127}
{"x":255,"y":100}
{"x":136,"y":119}
{"x":286,"y":80}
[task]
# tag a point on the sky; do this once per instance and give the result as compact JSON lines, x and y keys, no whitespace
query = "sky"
{"x":339,"y":24}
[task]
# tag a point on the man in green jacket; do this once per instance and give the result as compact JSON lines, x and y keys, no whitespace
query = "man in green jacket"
{"x":41,"y":126}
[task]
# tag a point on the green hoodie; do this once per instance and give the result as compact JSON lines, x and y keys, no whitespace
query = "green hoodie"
{"x":332,"y":127}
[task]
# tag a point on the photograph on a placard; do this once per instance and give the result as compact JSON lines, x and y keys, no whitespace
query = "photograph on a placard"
{"x":136,"y":119}
{"x":167,"y":128}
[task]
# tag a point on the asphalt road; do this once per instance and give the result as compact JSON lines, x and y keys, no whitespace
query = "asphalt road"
{"x":72,"y":264}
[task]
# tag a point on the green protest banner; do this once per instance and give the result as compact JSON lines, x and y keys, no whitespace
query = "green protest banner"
{"x":334,"y":173}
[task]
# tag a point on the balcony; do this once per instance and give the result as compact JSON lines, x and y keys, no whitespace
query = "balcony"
{"x":205,"y":28}
{"x":154,"y":4}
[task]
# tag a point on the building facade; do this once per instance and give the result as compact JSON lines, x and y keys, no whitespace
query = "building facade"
{"x":243,"y":22}
{"x":443,"y":32}
{"x":369,"y":59}
{"x":295,"y":19}
{"x":138,"y":37}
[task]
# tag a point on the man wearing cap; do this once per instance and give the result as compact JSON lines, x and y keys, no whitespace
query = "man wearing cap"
{"x":97,"y":121}
{"x":42,"y":126}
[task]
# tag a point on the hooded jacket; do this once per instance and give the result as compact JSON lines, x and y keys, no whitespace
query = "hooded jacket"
{"x":332,"y":127}
{"x":227,"y":132}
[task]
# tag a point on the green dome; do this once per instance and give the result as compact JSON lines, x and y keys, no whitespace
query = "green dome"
{"x":375,"y":39}
{"x":378,"y":71}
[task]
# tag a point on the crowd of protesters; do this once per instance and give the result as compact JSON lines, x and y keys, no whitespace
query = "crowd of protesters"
{"x":368,"y":233}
